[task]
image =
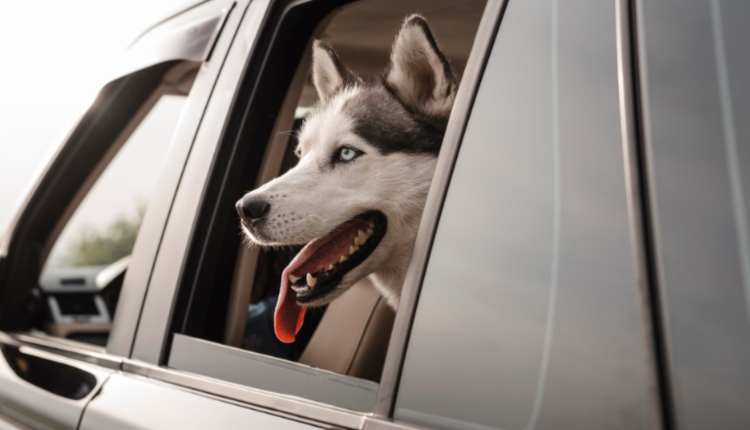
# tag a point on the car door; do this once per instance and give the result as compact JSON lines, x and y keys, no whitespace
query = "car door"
{"x":60,"y":340}
{"x":533,"y":311}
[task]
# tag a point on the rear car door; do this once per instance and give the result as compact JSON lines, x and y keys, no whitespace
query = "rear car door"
{"x":533,"y":312}
{"x":72,"y":269}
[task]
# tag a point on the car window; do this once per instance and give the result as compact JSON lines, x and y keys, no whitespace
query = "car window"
{"x":695,"y":70}
{"x":529,"y":315}
{"x":224,"y":322}
{"x":104,"y":227}
{"x":84,"y":272}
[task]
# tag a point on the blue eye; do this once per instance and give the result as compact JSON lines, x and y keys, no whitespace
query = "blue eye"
{"x":347,"y":154}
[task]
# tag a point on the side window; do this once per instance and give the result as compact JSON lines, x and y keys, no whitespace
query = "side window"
{"x":104,"y":226}
{"x":89,"y":250}
{"x":696,"y":75}
{"x":225,"y":318}
{"x":529,"y":315}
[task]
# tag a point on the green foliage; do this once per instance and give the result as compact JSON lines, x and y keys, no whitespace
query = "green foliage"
{"x":93,"y":247}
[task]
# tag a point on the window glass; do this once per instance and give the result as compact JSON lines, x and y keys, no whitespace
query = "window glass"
{"x":529,"y":312}
{"x":104,"y":227}
{"x":696,"y":105}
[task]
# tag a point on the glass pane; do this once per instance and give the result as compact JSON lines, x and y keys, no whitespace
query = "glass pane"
{"x":529,"y":313}
{"x":104,"y":227}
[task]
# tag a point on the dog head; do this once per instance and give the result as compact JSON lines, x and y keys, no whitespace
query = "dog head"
{"x":367,"y":153}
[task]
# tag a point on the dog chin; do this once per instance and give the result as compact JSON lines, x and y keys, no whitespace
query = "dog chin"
{"x":257,"y":238}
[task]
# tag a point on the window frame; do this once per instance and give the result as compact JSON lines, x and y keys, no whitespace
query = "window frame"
{"x":152,"y":355}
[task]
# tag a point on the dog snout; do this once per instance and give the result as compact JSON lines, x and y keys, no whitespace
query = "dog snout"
{"x":252,"y":208}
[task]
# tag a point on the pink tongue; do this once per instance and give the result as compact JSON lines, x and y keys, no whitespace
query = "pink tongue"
{"x":317,"y":255}
{"x":289,"y":315}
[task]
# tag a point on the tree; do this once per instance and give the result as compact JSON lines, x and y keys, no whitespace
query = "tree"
{"x":94,"y":247}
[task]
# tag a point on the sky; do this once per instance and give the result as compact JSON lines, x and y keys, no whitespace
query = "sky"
{"x":53,"y":55}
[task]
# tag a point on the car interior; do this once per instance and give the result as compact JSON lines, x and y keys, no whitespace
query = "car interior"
{"x":350,"y":336}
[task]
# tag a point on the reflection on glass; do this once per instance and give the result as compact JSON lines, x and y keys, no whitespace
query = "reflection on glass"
{"x":104,"y":227}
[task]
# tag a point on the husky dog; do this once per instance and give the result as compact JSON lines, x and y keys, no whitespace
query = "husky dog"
{"x":367,"y":153}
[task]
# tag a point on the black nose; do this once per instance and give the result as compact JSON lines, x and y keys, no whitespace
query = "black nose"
{"x":252,"y":208}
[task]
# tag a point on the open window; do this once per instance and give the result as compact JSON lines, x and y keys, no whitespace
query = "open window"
{"x":223,"y":323}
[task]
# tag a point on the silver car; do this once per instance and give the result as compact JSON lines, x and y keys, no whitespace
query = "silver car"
{"x":583,"y":261}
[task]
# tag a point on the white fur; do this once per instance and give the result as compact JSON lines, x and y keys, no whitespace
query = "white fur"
{"x":316,"y":196}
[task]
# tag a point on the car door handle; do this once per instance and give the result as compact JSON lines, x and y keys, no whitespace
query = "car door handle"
{"x":43,"y":390}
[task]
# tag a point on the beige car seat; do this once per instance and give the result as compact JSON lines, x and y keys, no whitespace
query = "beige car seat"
{"x":352,"y":337}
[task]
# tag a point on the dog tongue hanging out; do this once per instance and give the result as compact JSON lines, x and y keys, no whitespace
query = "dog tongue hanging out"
{"x":366,"y":157}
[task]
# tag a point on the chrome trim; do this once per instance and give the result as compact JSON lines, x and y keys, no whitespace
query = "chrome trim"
{"x":443,"y":170}
{"x":66,"y":348}
{"x":288,"y":406}
{"x":637,"y":198}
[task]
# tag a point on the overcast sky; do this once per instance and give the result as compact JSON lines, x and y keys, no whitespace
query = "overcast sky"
{"x":53,"y":53}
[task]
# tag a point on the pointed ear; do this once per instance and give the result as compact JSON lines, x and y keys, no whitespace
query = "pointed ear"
{"x":328,"y":72}
{"x":419,"y":72}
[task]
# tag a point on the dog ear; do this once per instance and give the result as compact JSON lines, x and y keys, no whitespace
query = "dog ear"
{"x":419,"y":72}
{"x":328,"y":72}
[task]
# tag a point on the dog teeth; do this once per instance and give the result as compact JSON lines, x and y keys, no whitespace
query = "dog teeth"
{"x":301,"y":288}
{"x":372,"y":226}
{"x":330,"y":267}
{"x":293,"y":278}
{"x":358,"y":241}
{"x":370,"y":231}
{"x":343,"y":258}
{"x":353,"y":249}
{"x":311,"y":280}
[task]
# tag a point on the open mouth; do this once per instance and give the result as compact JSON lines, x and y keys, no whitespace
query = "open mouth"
{"x":318,"y":269}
